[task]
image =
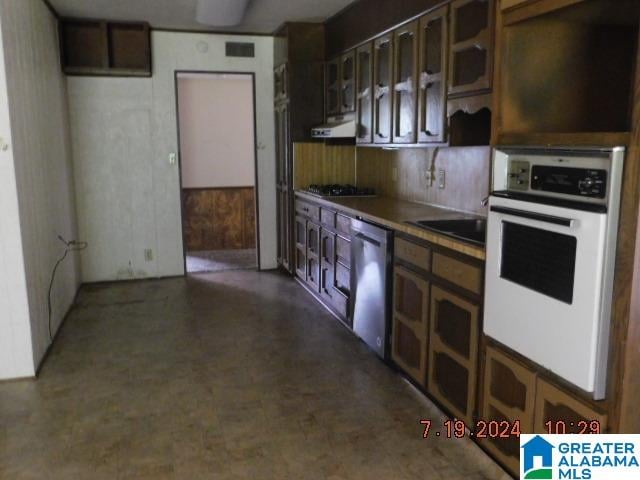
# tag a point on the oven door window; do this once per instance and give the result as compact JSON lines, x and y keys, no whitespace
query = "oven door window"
{"x":540,"y":260}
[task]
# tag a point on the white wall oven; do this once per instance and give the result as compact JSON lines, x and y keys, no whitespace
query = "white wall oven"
{"x":552,"y":231}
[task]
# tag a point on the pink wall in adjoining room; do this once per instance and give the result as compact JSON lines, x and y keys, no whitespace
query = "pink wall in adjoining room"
{"x":217,"y":147}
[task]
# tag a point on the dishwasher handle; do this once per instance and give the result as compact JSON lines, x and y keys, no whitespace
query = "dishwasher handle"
{"x":365,"y":238}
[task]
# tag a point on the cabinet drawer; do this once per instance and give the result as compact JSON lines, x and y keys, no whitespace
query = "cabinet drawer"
{"x":328,"y":218}
{"x":460,"y":273}
{"x":509,"y":395}
{"x":343,"y":251}
{"x":307,"y":209}
{"x":413,"y":253}
{"x":556,"y":405}
{"x":343,"y":225}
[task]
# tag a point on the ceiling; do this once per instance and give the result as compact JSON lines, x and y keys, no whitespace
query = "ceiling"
{"x":263,"y":16}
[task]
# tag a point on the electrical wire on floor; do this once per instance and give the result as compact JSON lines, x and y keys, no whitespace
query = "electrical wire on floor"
{"x":70,"y":246}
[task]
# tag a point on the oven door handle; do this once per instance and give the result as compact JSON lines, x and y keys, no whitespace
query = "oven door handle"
{"x":541,"y":217}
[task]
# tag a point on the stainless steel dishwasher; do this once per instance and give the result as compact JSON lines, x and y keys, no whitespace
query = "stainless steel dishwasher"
{"x":371,"y":248}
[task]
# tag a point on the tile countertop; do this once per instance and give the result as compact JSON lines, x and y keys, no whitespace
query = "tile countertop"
{"x":393,"y":213}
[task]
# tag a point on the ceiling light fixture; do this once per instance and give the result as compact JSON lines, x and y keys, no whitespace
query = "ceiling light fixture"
{"x":221,"y":13}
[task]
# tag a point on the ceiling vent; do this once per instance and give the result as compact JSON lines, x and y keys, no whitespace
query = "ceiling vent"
{"x":238,"y":49}
{"x":221,"y":13}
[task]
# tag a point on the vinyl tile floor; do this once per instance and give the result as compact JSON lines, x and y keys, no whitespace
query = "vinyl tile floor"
{"x":235,"y":375}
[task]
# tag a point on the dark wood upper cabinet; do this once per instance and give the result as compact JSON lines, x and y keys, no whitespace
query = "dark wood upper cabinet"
{"x":405,"y":83}
{"x":432,"y":88}
{"x":332,"y":76}
{"x":84,"y":45}
{"x":383,"y":89}
{"x":340,"y":84}
{"x":348,"y":82}
{"x":91,"y":47}
{"x":471,"y":46}
{"x":364,"y":94}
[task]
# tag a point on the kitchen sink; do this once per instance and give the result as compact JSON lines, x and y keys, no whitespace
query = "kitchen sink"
{"x":472,"y":230}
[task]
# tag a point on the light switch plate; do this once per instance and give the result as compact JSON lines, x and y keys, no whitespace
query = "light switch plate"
{"x":172,"y":158}
{"x":442,"y":176}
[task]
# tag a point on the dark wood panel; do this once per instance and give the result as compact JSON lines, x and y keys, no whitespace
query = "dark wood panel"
{"x":625,"y":356}
{"x":365,"y":19}
{"x":84,"y":44}
{"x":100,"y":48}
{"x":129,"y":46}
{"x":219,"y":218}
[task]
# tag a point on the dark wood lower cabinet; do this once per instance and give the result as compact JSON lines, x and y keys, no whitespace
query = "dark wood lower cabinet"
{"x":566,"y":413}
{"x":410,"y":323}
{"x":514,"y":391}
{"x":453,"y":363}
{"x":323,"y":255}
{"x":313,"y":256}
{"x":300,"y":259}
{"x":509,"y":395}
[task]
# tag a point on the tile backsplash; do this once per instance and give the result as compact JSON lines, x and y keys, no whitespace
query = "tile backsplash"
{"x":403,"y":174}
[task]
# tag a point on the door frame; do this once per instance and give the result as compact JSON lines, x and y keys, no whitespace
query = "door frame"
{"x":177,"y":74}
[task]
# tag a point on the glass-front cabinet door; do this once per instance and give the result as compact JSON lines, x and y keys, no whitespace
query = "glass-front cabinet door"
{"x":332,"y":90}
{"x":364,"y":93}
{"x":383,"y":98}
{"x":348,"y":83}
{"x":405,"y":83}
{"x":432,"y":82}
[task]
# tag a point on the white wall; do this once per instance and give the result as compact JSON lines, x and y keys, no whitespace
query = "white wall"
{"x":216,"y":130}
{"x":16,"y":359}
{"x":123,"y":131}
{"x":41,"y":159}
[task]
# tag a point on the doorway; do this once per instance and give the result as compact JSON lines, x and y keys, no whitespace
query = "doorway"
{"x":216,"y":130}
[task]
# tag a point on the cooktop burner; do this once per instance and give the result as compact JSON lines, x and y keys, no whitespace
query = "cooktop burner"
{"x":340,"y":191}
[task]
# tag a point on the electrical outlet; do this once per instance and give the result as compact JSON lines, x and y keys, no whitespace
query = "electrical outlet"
{"x":441,"y":179}
{"x":394,"y":174}
{"x":148,"y":255}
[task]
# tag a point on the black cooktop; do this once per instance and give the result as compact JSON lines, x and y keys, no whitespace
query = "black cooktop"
{"x":340,"y":191}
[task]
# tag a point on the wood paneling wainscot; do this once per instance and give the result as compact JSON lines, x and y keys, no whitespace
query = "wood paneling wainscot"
{"x":219,"y":218}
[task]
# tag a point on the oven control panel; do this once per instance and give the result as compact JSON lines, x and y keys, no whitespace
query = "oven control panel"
{"x":581,"y":182}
